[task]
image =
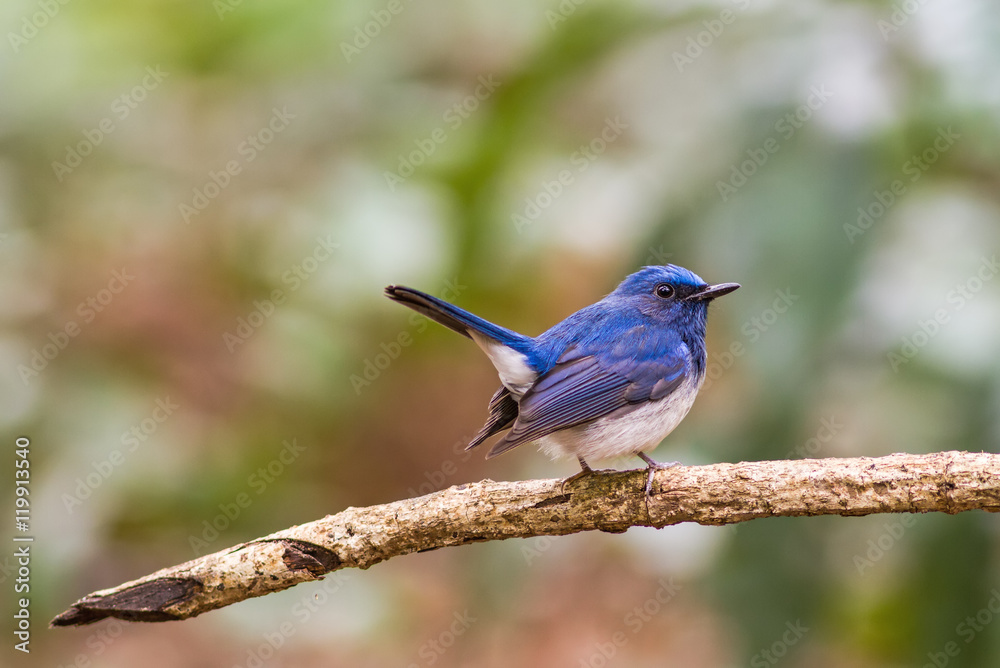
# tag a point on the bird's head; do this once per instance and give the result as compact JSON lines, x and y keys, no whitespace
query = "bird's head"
{"x":671,"y":293}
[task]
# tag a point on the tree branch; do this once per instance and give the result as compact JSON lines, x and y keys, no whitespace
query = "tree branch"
{"x":948,"y":482}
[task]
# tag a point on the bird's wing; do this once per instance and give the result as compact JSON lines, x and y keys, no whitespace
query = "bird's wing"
{"x":503,"y":412}
{"x":582,"y":387}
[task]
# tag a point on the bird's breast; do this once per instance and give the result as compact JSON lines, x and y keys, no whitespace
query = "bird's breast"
{"x":627,"y":431}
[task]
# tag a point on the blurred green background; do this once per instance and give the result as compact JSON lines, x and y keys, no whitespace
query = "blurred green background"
{"x":200,"y":203}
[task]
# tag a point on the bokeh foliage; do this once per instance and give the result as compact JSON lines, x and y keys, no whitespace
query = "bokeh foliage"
{"x":788,"y":146}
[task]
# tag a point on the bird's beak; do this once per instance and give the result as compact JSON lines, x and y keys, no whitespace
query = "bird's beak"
{"x":710,"y":292}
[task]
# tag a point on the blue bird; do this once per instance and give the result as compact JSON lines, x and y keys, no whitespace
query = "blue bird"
{"x":612,"y":379}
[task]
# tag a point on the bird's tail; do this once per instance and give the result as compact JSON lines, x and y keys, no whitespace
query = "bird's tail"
{"x":455,"y":318}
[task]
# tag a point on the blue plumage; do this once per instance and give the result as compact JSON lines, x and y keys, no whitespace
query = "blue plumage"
{"x":612,"y":379}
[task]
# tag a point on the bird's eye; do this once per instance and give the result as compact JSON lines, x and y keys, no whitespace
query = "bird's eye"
{"x":664,"y":291}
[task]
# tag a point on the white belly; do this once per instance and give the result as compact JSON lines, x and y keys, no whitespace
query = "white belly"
{"x":630,"y":432}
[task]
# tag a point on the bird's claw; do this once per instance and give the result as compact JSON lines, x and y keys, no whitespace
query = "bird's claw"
{"x":576,"y":476}
{"x":652,"y":466}
{"x":585,"y":471}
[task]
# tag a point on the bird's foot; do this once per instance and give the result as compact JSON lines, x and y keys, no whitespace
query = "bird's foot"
{"x":585,"y":471}
{"x":651,"y":467}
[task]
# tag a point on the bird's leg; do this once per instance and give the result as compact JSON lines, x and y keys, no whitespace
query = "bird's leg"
{"x":651,"y":466}
{"x":582,"y":474}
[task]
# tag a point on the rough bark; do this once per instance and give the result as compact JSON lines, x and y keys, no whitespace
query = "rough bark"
{"x":948,"y":482}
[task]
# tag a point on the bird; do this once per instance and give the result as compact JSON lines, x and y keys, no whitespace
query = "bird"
{"x":612,"y":379}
